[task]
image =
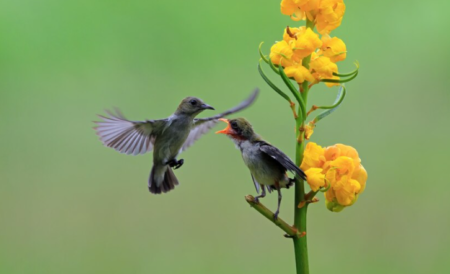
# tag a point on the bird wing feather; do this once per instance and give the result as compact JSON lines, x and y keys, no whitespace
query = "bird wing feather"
{"x":129,"y":137}
{"x":203,"y":125}
{"x":282,"y":158}
{"x":196,"y":132}
{"x":247,"y":102}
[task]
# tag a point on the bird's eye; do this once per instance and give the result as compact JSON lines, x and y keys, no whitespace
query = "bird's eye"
{"x":234,"y":125}
{"x":193,"y":102}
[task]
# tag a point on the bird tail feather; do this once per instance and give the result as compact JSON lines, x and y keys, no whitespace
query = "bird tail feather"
{"x":162,"y":180}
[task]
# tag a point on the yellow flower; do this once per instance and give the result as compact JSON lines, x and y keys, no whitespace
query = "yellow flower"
{"x":303,"y":42}
{"x":281,"y":54}
{"x":346,"y":190}
{"x":330,"y":196}
{"x":333,"y":48}
{"x":299,"y":73}
{"x":306,"y":43}
{"x":322,"y":68}
{"x":299,"y":9}
{"x":333,"y":152}
{"x":338,"y":165}
{"x":329,"y":15}
{"x":326,"y":14}
{"x":289,"y":7}
{"x":313,"y":156}
{"x":309,"y":129}
{"x":343,"y":165}
{"x":346,"y":177}
{"x":293,"y":32}
{"x":315,"y":178}
{"x":360,"y":175}
{"x":299,"y":43}
{"x":307,"y":5}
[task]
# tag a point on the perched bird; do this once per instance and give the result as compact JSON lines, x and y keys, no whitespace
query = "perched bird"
{"x":267,"y":164}
{"x":166,"y":137}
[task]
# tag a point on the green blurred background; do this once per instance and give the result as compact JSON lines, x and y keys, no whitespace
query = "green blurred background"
{"x":70,"y":205}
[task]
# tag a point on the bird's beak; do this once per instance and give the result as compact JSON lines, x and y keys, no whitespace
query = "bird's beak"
{"x":206,"y":106}
{"x":226,"y":130}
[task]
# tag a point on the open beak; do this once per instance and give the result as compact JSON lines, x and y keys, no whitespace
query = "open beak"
{"x":226,"y":130}
{"x":206,"y":106}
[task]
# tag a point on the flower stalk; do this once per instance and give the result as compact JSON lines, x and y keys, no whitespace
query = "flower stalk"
{"x":300,"y":244}
{"x":307,"y":59}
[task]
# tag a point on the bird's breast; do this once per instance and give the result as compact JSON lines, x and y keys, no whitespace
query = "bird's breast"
{"x":169,"y":143}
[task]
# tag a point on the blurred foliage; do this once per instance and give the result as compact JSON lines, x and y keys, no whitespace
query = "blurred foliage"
{"x":70,"y":205}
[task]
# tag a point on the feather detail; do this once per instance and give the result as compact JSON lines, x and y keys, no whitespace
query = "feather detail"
{"x":129,"y":137}
{"x":281,"y":158}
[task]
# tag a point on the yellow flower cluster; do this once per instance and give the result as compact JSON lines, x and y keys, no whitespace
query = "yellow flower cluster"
{"x":326,"y":14}
{"x":336,"y":168}
{"x":299,"y":43}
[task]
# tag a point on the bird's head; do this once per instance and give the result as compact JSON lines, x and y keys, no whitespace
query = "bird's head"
{"x":192,"y":106}
{"x":238,"y":129}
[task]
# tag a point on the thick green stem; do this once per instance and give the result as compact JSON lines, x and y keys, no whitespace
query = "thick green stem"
{"x":300,"y":244}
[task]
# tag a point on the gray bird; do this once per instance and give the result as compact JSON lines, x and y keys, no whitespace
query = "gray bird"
{"x":166,"y":137}
{"x":267,"y":164}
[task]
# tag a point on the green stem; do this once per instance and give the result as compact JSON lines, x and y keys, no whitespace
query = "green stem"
{"x":300,"y":244}
{"x":291,"y":231}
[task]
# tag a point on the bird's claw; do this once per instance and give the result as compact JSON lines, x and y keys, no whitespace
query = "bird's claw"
{"x":275,"y":215}
{"x":175,"y":164}
{"x":291,"y":183}
{"x":179,"y":163}
{"x":171,"y":163}
{"x":256,"y":200}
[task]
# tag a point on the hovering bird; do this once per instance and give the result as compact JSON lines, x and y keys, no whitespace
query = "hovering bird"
{"x":166,"y":137}
{"x":267,"y":164}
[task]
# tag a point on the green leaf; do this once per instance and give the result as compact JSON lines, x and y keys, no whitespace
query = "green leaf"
{"x":292,"y":88}
{"x":261,"y":54}
{"x":330,"y":109}
{"x":271,"y":84}
{"x":340,"y":81}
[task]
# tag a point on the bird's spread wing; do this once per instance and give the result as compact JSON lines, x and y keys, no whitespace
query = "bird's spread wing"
{"x":247,"y":102}
{"x":130,"y":137}
{"x":203,"y":125}
{"x":196,"y":132}
{"x":284,"y":160}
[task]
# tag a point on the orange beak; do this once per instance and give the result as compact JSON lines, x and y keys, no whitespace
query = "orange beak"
{"x":226,"y":130}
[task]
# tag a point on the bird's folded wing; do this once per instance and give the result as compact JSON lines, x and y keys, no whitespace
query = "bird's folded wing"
{"x":129,"y":137}
{"x":284,"y":160}
{"x":203,"y":125}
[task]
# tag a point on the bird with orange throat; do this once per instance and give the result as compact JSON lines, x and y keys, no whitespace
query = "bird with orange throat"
{"x":267,"y":164}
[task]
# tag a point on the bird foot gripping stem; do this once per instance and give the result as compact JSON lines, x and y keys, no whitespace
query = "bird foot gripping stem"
{"x":291,"y":183}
